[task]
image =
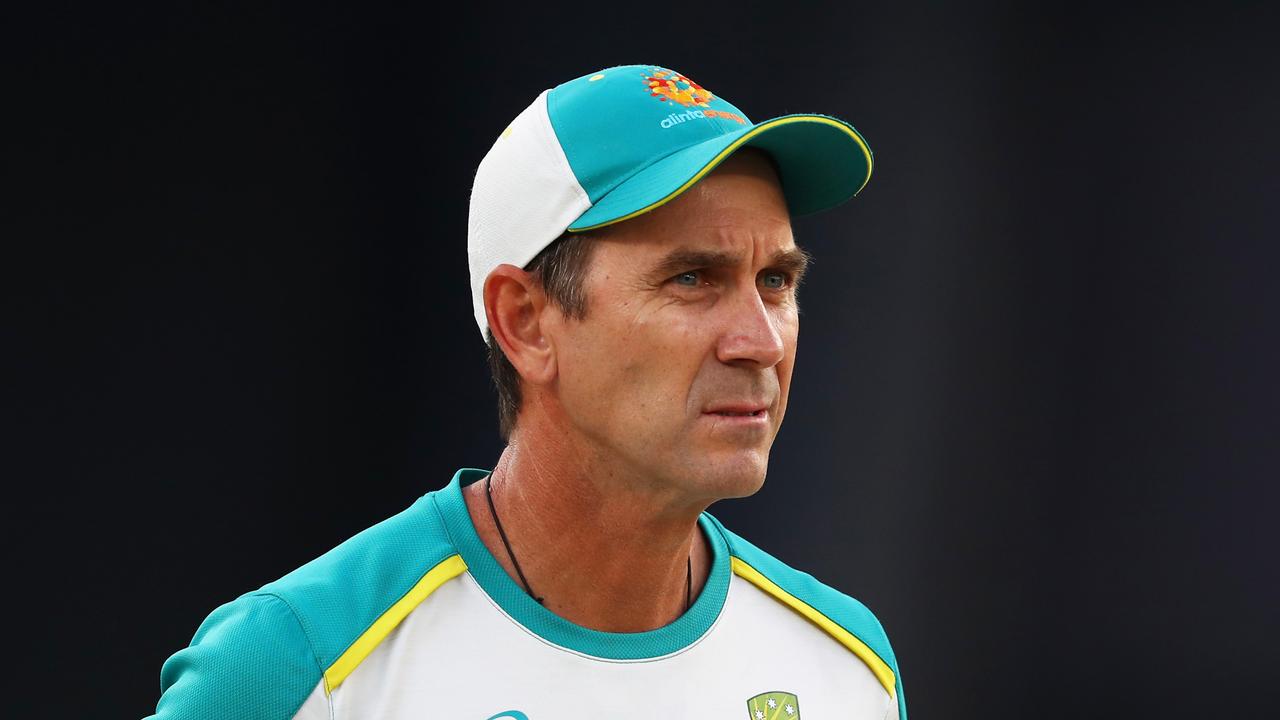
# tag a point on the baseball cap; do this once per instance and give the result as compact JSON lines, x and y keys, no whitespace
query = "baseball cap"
{"x":618,"y":142}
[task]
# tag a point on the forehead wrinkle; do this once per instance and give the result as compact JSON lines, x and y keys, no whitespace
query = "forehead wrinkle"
{"x":728,"y":237}
{"x":722,"y":242}
{"x":727,"y":229}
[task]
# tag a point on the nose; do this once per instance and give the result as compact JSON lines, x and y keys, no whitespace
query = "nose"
{"x":751,"y":333}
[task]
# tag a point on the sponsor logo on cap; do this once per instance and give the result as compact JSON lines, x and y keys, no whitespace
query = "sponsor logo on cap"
{"x":670,"y":86}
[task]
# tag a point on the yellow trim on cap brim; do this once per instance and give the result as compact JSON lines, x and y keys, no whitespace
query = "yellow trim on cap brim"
{"x":443,"y":572}
{"x":878,"y":667}
{"x":734,"y":146}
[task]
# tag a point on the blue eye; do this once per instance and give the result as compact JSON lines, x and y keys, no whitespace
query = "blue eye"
{"x":693,"y":274}
{"x":782,"y":280}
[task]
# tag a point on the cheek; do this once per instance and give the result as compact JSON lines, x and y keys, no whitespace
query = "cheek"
{"x":655,"y":362}
{"x":584,"y":374}
{"x":628,"y":369}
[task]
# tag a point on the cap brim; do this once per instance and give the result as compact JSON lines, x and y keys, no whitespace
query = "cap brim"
{"x":823,"y":161}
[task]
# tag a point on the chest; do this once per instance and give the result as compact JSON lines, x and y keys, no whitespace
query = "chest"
{"x":459,"y":656}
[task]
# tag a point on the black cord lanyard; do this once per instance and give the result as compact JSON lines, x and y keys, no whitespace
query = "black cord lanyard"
{"x":688,"y":583}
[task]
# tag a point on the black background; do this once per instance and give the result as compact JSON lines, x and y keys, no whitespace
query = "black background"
{"x":1033,"y":421}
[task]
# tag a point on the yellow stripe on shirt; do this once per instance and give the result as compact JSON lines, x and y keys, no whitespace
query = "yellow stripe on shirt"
{"x":878,"y":667}
{"x":346,"y":663}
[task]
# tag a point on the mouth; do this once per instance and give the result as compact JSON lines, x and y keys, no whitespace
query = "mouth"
{"x":739,"y":408}
{"x":745,"y":418}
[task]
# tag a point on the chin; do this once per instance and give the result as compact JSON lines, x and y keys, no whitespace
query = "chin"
{"x":746,"y":488}
{"x":735,"y":475}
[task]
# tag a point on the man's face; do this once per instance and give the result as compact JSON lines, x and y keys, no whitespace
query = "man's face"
{"x":691,"y":323}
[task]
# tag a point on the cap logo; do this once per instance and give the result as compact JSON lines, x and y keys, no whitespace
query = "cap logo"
{"x":670,"y":86}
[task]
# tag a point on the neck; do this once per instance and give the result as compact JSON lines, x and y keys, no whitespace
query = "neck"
{"x":603,"y":551}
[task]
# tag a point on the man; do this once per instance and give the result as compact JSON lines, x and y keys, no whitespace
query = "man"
{"x":634,"y":274}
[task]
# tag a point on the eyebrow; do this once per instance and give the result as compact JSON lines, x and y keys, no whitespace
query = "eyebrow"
{"x":793,"y":260}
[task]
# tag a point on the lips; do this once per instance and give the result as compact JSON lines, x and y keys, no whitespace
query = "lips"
{"x":738,"y":409}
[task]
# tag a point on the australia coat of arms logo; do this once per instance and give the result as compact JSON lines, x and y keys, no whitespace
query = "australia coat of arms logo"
{"x":774,"y":705}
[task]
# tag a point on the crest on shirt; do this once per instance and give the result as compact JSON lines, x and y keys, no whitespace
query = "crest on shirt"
{"x":774,"y":705}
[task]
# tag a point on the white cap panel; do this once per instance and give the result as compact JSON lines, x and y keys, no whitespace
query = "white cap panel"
{"x":524,"y":197}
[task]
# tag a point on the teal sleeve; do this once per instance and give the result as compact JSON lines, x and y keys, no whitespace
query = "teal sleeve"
{"x":249,"y":660}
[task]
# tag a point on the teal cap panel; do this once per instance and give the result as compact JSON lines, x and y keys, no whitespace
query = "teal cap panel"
{"x":614,"y":122}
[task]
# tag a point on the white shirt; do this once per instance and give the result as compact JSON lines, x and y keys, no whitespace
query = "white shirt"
{"x":414,"y":619}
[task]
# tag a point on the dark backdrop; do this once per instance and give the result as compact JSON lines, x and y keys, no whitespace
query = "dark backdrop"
{"x":1033,"y":424}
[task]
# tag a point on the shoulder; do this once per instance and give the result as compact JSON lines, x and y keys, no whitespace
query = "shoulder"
{"x":249,"y":660}
{"x":846,"y":619}
{"x":262,"y":654}
{"x":337,"y":596}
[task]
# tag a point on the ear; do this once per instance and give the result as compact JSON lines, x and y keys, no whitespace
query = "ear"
{"x":513,"y":304}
